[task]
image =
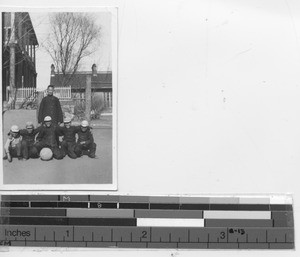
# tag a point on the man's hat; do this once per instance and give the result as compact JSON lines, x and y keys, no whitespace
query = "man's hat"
{"x":84,"y":123}
{"x":67,"y":120}
{"x":47,"y":118}
{"x":29,"y":124}
{"x":14,"y":128}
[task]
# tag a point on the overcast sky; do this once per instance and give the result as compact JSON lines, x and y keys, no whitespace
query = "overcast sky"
{"x":102,"y":58}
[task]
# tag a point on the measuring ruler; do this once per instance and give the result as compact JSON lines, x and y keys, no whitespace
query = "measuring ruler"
{"x":147,"y":221}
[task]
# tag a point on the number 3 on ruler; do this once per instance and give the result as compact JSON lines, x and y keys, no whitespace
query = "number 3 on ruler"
{"x":222,"y":235}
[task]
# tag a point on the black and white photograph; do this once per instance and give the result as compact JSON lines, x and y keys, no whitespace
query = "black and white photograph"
{"x":59,"y":103}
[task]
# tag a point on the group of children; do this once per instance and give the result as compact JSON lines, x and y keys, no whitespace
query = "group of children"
{"x":63,"y":140}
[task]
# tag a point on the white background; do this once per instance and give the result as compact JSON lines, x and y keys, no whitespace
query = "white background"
{"x":208,"y":102}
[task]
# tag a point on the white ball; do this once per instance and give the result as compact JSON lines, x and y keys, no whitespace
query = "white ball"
{"x":46,"y":154}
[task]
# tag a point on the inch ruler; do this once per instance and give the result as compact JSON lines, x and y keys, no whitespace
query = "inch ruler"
{"x":147,"y":222}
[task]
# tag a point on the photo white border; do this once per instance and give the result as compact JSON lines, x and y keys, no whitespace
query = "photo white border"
{"x":31,"y":188}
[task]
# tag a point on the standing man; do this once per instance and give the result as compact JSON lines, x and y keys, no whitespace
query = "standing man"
{"x":50,"y":106}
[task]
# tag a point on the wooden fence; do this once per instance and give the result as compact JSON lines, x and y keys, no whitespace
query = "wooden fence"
{"x":28,"y":93}
{"x":65,"y":95}
{"x":62,"y":93}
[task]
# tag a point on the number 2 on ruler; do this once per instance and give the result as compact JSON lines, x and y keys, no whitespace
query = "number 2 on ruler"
{"x":144,"y":234}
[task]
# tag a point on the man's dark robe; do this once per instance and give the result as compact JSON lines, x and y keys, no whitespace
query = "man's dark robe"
{"x":50,"y":106}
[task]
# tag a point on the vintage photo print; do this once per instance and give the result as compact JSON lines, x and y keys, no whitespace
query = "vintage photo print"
{"x":59,"y":99}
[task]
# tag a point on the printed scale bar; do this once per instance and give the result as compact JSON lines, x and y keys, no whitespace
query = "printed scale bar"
{"x":153,"y":206}
{"x":129,"y":213}
{"x":51,"y":221}
{"x":257,"y":200}
{"x":147,"y":222}
{"x":149,"y":245}
{"x":279,"y":218}
{"x":162,"y":236}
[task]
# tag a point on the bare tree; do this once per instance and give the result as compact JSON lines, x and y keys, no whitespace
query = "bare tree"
{"x":72,"y":37}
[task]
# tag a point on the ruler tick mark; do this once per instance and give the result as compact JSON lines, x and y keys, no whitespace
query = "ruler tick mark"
{"x":227,"y":235}
{"x":285,"y":237}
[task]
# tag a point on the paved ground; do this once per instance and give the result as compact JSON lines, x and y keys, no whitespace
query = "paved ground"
{"x":83,"y":170}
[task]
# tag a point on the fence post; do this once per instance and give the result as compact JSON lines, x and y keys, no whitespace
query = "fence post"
{"x":88,"y":97}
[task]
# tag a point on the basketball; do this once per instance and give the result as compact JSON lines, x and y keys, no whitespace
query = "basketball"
{"x":46,"y":154}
